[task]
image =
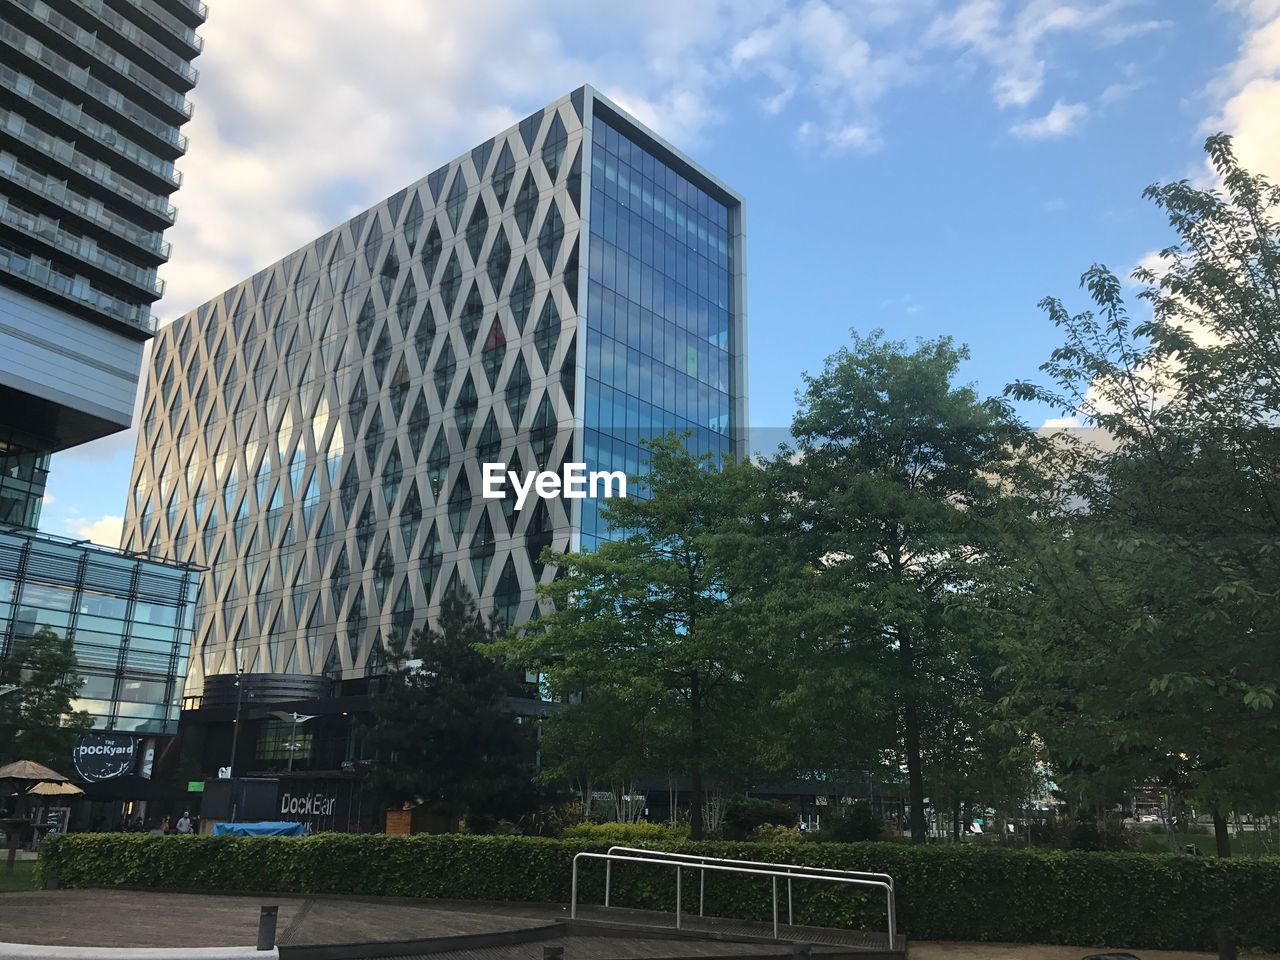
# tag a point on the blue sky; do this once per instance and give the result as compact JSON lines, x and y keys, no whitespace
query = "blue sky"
{"x":921,"y":166}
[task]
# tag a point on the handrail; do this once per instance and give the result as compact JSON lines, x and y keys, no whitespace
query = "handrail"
{"x":694,"y":859}
{"x":755,"y":863}
{"x":727,"y":868}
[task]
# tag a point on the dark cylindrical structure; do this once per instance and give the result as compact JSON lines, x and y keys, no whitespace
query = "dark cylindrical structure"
{"x":267,"y":927}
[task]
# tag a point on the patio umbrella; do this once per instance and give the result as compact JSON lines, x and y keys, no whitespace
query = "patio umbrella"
{"x":55,"y":790}
{"x":32,"y":771}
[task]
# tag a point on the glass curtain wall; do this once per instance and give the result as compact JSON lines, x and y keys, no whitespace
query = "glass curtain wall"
{"x":657,"y":313}
{"x":129,"y":620}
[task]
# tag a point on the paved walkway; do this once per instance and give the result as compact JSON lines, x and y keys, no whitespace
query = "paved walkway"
{"x":126,"y":918}
{"x":130,"y":918}
{"x":939,"y":950}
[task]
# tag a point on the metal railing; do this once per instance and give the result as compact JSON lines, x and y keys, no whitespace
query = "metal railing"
{"x":66,"y":153}
{"x":64,"y":196}
{"x":788,"y":872}
{"x":694,"y":860}
{"x":130,"y":32}
{"x":91,"y":43}
{"x":171,"y":24}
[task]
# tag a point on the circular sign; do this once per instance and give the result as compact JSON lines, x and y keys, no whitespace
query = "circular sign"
{"x":103,"y":756}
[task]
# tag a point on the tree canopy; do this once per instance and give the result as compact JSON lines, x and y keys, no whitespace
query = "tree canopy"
{"x":37,"y":721}
{"x":443,"y":729}
{"x":1147,"y":642}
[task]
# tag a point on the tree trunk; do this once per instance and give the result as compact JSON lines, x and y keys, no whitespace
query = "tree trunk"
{"x":955,"y":822}
{"x":695,"y":745}
{"x":911,"y":725}
{"x":1222,"y":839}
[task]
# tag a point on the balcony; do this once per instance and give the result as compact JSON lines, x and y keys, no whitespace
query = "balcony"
{"x":161,"y":55}
{"x":150,"y":242}
{"x":83,"y":249}
{"x":40,"y":273}
{"x":90,"y":43}
{"x":173,"y":28}
{"x":192,"y":12}
{"x":25,"y":88}
{"x":49,"y":146}
{"x":120,"y":106}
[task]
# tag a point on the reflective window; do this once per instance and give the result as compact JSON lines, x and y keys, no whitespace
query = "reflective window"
{"x":657,"y":347}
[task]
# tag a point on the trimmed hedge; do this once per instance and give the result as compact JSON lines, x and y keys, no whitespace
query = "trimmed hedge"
{"x":944,"y":892}
{"x":625,"y":834}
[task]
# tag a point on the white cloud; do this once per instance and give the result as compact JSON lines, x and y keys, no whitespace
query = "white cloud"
{"x":48,"y":499}
{"x":1061,"y":119}
{"x":1015,"y":47}
{"x":1248,"y":92}
{"x":825,"y":51}
{"x":105,"y":531}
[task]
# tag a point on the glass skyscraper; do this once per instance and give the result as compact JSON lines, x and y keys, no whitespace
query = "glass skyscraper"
{"x":660,"y":332}
{"x":313,"y":436}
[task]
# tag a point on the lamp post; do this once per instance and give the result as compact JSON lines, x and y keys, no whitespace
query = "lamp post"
{"x":235,"y":736}
{"x":297,"y":718}
{"x":235,"y":730}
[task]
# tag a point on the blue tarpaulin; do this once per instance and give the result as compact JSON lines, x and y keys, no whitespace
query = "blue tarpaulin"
{"x":269,"y":828}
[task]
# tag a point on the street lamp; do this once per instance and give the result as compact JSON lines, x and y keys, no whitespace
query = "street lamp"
{"x":235,"y":737}
{"x":235,"y":730}
{"x":293,"y":746}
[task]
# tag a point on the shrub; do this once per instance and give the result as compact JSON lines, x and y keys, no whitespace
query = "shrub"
{"x":742,"y":815}
{"x":1199,"y":829}
{"x":945,"y":891}
{"x":776,"y":833}
{"x":1088,"y":833}
{"x":626,"y":833}
{"x":855,"y":822}
{"x":552,"y":821}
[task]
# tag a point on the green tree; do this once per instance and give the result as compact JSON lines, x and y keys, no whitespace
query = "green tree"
{"x":649,"y":619}
{"x":442,"y":728}
{"x":607,"y":740}
{"x":37,"y":721}
{"x":890,"y":494}
{"x":1155,"y":566}
{"x":1158,"y":557}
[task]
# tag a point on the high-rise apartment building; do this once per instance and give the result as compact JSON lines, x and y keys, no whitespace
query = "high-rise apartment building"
{"x":92,"y":99}
{"x":314,"y":436}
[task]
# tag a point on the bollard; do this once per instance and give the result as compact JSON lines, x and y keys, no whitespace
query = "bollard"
{"x":51,"y":882}
{"x":553,"y":952}
{"x":804,"y":950}
{"x":267,"y":927}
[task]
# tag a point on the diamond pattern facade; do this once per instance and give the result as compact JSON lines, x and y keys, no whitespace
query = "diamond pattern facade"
{"x":314,"y":435}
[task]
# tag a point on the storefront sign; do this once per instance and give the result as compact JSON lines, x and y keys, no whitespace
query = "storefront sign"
{"x":306,"y":806}
{"x":104,"y":756}
{"x":320,"y":804}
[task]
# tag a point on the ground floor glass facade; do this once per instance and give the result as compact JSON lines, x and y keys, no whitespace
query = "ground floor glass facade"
{"x":129,"y":620}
